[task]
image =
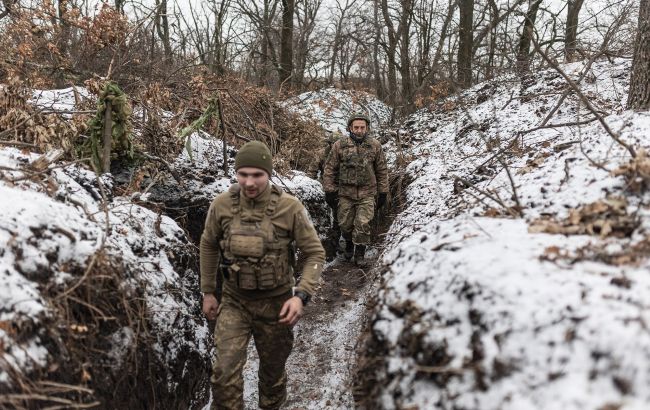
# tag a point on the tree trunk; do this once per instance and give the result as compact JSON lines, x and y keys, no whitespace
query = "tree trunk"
{"x":391,"y":52}
{"x":465,"y":43}
{"x":379,"y":84}
{"x":570,"y":37}
{"x":162,"y":27}
{"x":639,"y":96}
{"x":286,"y":43}
{"x":523,"y":49}
{"x":405,"y":62}
{"x":63,"y":43}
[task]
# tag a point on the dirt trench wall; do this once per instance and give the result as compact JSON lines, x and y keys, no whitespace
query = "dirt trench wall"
{"x":89,"y":318}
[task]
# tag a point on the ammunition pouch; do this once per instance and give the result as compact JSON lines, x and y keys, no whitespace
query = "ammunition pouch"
{"x":259,"y":254}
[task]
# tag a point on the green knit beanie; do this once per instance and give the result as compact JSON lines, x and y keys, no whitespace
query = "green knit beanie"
{"x":254,"y":154}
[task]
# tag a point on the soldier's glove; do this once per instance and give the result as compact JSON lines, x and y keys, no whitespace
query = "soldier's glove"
{"x":381,"y":200}
{"x":332,"y":199}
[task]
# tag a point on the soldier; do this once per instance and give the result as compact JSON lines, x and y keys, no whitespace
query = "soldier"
{"x":249,"y":232}
{"x":355,"y":173}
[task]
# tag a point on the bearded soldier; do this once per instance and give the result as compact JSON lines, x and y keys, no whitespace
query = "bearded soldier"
{"x":355,"y":177}
{"x":249,"y":234}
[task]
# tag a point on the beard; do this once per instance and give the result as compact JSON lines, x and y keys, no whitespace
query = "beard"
{"x":358,"y":137}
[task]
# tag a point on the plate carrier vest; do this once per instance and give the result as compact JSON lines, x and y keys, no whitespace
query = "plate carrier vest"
{"x":354,"y":167}
{"x":257,"y":256}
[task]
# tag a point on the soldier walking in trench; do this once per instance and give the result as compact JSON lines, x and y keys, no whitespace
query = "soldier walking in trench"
{"x":249,"y":231}
{"x":355,"y":180}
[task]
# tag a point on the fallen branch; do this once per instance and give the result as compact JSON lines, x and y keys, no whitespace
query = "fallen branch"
{"x":560,"y":125}
{"x":468,"y":184}
{"x":440,"y":370}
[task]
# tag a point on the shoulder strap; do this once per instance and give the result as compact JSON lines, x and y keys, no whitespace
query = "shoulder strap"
{"x":276,"y":193}
{"x":267,"y":226}
{"x":235,"y":190}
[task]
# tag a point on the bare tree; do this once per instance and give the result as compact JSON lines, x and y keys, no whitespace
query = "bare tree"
{"x":379,"y":84}
{"x":465,"y":34}
{"x":306,"y":12}
{"x":262,"y":18}
{"x":523,"y":48}
{"x":285,"y":68}
{"x":406,"y":17}
{"x":220,"y":12}
{"x":162,"y":27}
{"x":391,"y":52}
{"x":639,"y":94}
{"x":571,"y":34}
{"x":341,"y":15}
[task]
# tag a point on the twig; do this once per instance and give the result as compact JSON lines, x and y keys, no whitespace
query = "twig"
{"x":18,"y":144}
{"x":222,"y":125}
{"x":166,"y":164}
{"x":241,"y":108}
{"x":565,"y":179}
{"x":584,"y":99}
{"x":560,"y":125}
{"x":65,"y":387}
{"x":505,"y":166}
{"x":520,"y":210}
{"x":12,"y":398}
{"x":439,"y":370}
{"x":108,"y":137}
{"x":479,"y":190}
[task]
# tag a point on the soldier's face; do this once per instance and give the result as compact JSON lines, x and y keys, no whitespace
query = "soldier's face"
{"x":359,"y":127}
{"x":253,"y":181}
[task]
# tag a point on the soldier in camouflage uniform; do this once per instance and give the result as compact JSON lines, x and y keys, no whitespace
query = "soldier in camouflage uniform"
{"x":355,"y":177}
{"x":249,"y":233}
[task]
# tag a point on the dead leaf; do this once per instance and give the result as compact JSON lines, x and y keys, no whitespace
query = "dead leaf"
{"x":8,"y":327}
{"x":85,"y":376}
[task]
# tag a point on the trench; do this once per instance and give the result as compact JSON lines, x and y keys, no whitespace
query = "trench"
{"x":323,"y":367}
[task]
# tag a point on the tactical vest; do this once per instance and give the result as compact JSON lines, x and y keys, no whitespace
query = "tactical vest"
{"x":257,"y":254}
{"x":355,"y":167}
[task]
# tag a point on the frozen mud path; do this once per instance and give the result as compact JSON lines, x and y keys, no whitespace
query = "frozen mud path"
{"x":322,"y":363}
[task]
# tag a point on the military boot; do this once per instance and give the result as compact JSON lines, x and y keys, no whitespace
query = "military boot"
{"x":359,"y":255}
{"x":349,"y":249}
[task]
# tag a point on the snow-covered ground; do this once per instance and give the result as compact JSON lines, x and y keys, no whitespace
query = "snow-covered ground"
{"x":119,"y":280}
{"x":480,"y":310}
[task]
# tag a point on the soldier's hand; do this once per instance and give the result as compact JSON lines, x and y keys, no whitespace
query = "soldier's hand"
{"x":291,"y":311}
{"x":210,"y":306}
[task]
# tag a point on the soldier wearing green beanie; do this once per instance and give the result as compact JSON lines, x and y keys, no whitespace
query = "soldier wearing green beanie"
{"x":254,"y":154}
{"x":249,"y":234}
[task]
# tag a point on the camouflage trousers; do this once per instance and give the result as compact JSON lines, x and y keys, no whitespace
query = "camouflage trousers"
{"x":237,"y":321}
{"x":354,"y":218}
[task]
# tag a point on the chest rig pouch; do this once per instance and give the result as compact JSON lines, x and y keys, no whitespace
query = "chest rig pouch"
{"x":259,"y":255}
{"x":355,"y":167}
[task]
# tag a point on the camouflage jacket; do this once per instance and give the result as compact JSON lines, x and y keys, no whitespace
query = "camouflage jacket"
{"x":321,"y":156}
{"x":356,"y":170}
{"x":289,"y":219}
